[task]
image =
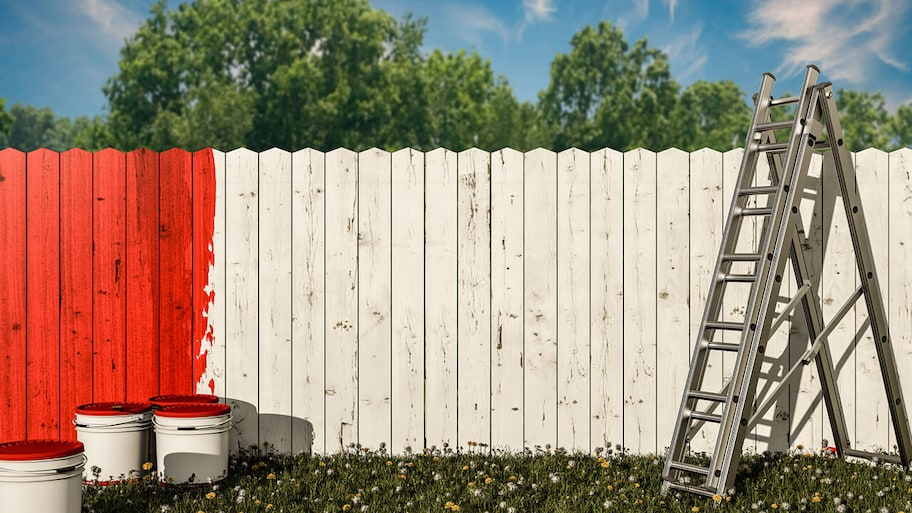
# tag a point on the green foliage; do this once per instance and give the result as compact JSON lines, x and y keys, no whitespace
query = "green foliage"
{"x":711,"y":115}
{"x":30,"y":128}
{"x":864,"y":119}
{"x":476,"y":480}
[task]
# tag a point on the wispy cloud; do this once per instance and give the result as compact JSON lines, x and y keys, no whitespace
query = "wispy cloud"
{"x":471,"y":22}
{"x":110,"y":18}
{"x":685,"y":50}
{"x":672,"y":5}
{"x":845,"y":37}
{"x":538,"y":10}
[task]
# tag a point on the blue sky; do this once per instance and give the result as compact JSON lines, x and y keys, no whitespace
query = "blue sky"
{"x":58,"y":53}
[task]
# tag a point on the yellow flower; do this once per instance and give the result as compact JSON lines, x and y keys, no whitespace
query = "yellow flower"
{"x":388,"y":463}
{"x":322,"y":464}
{"x":605,"y":464}
{"x":269,"y":506}
{"x":270,"y":476}
{"x":774,"y":505}
{"x":401,"y":476}
{"x":210,"y":495}
{"x":346,"y":507}
{"x":465,"y":467}
{"x":717,"y":498}
{"x":513,"y":478}
{"x":815,"y":498}
{"x":410,"y":464}
{"x":454,"y":507}
{"x":488,"y":480}
{"x":471,"y":484}
{"x":695,"y":509}
{"x":147,"y":465}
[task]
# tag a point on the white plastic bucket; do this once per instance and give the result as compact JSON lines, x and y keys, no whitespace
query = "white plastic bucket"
{"x":41,"y":475}
{"x":192,"y":442}
{"x":116,"y":438}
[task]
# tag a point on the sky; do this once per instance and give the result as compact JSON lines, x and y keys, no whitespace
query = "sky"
{"x":59,"y":53}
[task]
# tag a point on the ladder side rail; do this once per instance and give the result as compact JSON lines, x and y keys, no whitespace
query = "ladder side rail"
{"x":713,"y":306}
{"x":759,"y":314}
{"x":845,"y":172}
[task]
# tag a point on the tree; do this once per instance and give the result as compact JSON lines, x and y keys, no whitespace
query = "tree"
{"x":711,"y":115}
{"x":6,"y":120}
{"x":864,"y":119}
{"x":901,"y":126}
{"x":607,"y":93}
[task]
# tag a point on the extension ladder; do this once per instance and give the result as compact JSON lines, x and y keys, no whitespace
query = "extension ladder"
{"x":780,"y":241}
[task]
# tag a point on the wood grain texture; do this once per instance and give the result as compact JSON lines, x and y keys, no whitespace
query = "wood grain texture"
{"x":13,"y":319}
{"x":43,"y":294}
{"x":208,"y":277}
{"x":407,"y":316}
{"x":75,"y":286}
{"x":507,"y":268}
{"x":900,"y":285}
{"x":109,"y":236}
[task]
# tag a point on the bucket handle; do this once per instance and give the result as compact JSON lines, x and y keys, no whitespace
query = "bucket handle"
{"x":227,"y":421}
{"x":113,"y":424}
{"x":48,"y":472}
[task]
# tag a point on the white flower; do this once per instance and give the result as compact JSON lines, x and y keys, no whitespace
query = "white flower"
{"x":502,"y":504}
{"x":607,"y":504}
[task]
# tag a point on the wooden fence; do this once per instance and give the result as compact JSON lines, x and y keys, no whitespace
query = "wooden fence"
{"x":415,"y":299}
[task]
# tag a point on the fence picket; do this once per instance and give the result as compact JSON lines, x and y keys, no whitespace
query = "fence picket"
{"x":308,"y":301}
{"x":341,"y":299}
{"x":242,"y":297}
{"x":606,"y":390}
{"x":507,"y":299}
{"x":374,"y":300}
{"x":440,"y":298}
{"x":540,"y":290}
{"x":673,"y":339}
{"x":275,"y":355}
{"x":900,"y":251}
{"x":407,"y":316}
{"x":573,"y":300}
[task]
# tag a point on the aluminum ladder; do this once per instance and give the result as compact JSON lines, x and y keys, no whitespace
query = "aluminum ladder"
{"x":779,"y":242}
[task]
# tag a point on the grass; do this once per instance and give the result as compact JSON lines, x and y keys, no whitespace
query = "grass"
{"x":473,"y":480}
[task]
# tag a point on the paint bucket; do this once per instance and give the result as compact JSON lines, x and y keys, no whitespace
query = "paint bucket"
{"x":116,"y":438}
{"x":161,"y":401}
{"x":192,"y":442}
{"x":41,"y":475}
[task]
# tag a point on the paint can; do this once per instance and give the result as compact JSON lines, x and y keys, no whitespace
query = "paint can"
{"x":41,"y":475}
{"x":192,"y":442}
{"x":116,"y":438}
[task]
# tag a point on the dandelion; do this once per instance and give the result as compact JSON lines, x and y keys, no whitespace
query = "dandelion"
{"x":270,"y":476}
{"x":346,"y":507}
{"x":488,"y":480}
{"x":717,"y":498}
{"x":210,"y":495}
{"x":147,"y":465}
{"x":605,"y":464}
{"x":695,"y":509}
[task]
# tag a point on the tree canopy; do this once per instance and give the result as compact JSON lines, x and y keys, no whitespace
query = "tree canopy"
{"x":339,"y":73}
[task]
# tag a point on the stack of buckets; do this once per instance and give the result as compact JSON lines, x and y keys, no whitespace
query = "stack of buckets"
{"x":115,"y":442}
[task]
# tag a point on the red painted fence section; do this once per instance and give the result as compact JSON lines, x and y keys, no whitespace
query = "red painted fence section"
{"x":102,"y":255}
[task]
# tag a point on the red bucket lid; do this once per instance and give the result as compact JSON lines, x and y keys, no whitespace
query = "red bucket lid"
{"x":172,"y":399}
{"x":38,"y":450}
{"x":113,"y":408}
{"x":194,"y":410}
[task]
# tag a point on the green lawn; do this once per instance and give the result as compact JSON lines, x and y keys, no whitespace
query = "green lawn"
{"x":471,"y":480}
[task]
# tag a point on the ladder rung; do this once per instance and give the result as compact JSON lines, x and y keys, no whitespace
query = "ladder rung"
{"x":741,"y":257}
{"x":759,"y":211}
{"x":690,"y":488}
{"x":755,"y":191}
{"x":725,"y":325}
{"x":774,"y":147}
{"x":785,"y":100}
{"x":707,"y":396}
{"x":723,"y":346}
{"x":889,"y":458}
{"x":739,"y":278}
{"x":689,"y":467}
{"x":706,"y":417}
{"x":776,"y":125}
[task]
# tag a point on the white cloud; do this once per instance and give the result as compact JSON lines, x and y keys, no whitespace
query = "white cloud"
{"x":471,"y":22}
{"x":672,"y":5}
{"x":845,"y":37}
{"x":111,"y":18}
{"x":685,"y":50}
{"x":538,"y":10}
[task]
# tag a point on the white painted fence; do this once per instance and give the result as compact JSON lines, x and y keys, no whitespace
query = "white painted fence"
{"x":515,"y":300}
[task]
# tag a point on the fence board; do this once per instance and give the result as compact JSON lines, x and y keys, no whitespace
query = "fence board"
{"x":507,"y":268}
{"x":640,"y":301}
{"x":308,"y":300}
{"x":900,"y":291}
{"x":473,"y":405}
{"x":242,"y":297}
{"x":275,"y":353}
{"x":76,"y":290}
{"x":13,"y":294}
{"x":142,"y":274}
{"x":440,"y":298}
{"x":341,"y":299}
{"x":208,"y":296}
{"x":109,"y":235}
{"x":873,"y":432}
{"x":673,"y":339}
{"x":706,"y":224}
{"x":42,"y":294}
{"x":176,"y":272}
{"x":540,"y":286}
{"x":573,"y":300}
{"x":606,"y":219}
{"x":374,"y":300}
{"x":407,"y":310}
